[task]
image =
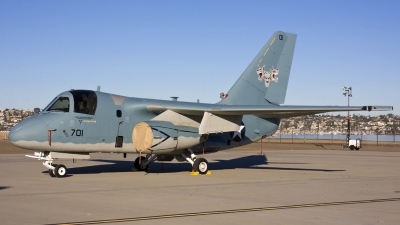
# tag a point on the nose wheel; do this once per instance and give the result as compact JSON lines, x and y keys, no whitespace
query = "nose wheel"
{"x":51,"y":171}
{"x":60,"y":170}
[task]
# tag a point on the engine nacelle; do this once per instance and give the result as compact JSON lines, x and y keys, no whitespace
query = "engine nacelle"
{"x":162,"y":136}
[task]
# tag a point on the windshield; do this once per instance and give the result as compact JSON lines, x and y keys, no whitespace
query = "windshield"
{"x":61,"y":104}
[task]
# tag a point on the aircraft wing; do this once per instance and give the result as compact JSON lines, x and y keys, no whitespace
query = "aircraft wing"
{"x":264,"y":111}
{"x":224,"y":118}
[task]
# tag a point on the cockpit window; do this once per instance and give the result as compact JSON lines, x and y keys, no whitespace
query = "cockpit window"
{"x":61,"y":104}
{"x":48,"y":105}
{"x":85,"y":102}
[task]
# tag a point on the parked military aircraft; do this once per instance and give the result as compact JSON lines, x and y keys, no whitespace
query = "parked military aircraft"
{"x":79,"y":122}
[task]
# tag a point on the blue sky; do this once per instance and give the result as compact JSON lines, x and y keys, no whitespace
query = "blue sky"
{"x":196,"y":49}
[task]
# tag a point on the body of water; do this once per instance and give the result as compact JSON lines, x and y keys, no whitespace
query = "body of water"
{"x":391,"y":138}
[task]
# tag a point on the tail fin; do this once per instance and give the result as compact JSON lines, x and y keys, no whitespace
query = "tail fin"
{"x":266,"y":78}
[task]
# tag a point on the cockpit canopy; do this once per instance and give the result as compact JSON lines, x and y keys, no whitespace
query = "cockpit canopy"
{"x":84,"y":102}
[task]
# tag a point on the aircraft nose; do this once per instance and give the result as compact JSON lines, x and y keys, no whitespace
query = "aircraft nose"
{"x":31,"y":129}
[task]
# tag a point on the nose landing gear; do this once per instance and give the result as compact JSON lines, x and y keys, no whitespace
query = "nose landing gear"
{"x":55,"y":170}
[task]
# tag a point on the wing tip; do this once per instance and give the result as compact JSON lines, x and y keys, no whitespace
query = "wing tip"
{"x":377,"y":108}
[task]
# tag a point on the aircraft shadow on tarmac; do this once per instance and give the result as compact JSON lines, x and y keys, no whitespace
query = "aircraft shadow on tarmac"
{"x":3,"y":187}
{"x":247,"y":162}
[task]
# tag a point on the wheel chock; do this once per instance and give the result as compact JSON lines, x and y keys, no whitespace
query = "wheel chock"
{"x":197,"y":173}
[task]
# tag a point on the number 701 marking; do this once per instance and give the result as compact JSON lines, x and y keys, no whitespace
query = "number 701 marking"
{"x":77,"y":132}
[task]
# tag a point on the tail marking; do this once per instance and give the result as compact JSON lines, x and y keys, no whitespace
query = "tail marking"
{"x":268,"y":76}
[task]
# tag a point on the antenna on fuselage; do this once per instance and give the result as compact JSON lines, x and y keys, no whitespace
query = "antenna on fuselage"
{"x":98,"y":87}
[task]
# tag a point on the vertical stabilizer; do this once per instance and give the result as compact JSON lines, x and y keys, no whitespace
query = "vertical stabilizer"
{"x":266,"y":79}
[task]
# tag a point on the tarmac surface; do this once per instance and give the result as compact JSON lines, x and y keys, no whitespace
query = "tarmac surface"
{"x":282,"y":187}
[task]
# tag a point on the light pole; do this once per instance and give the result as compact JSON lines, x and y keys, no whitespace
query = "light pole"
{"x":348,"y":92}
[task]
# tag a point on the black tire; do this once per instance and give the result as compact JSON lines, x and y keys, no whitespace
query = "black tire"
{"x":51,"y":173}
{"x":357,"y":149}
{"x":138,"y":167}
{"x":60,"y":170}
{"x":352,"y":147}
{"x":200,"y":166}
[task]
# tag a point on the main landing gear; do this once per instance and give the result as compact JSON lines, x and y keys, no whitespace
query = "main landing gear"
{"x":139,"y":164}
{"x":142,"y":163}
{"x":199,"y":165}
